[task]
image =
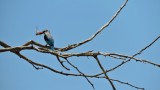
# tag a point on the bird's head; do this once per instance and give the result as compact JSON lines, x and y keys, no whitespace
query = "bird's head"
{"x":42,"y":32}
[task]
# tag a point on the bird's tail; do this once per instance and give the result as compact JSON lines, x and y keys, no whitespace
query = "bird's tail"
{"x":52,"y":47}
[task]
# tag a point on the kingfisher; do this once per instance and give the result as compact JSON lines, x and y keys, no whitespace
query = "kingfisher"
{"x":48,"y":38}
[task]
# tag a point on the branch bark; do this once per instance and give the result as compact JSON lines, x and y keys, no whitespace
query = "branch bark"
{"x":32,"y":46}
{"x":106,"y":76}
{"x":59,"y":54}
{"x":98,"y":32}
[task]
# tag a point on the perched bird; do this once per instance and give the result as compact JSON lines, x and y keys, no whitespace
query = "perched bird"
{"x":48,"y":38}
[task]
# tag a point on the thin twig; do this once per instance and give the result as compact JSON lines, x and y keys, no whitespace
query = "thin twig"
{"x":36,"y":67}
{"x":147,"y":46}
{"x":61,"y":62}
{"x":127,"y":84}
{"x":106,"y":76}
{"x":81,"y":73}
{"x":98,"y":32}
{"x":138,"y":53}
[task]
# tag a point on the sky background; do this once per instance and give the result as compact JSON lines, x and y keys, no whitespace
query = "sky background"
{"x":72,"y":21}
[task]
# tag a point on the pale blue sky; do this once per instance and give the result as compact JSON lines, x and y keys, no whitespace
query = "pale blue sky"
{"x":72,"y":21}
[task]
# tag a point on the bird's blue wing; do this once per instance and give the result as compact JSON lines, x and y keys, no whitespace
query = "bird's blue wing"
{"x":49,"y":40}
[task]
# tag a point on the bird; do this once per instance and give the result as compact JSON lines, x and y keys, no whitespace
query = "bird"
{"x":48,"y":38}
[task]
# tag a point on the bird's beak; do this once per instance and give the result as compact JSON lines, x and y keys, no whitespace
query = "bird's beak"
{"x":39,"y":33}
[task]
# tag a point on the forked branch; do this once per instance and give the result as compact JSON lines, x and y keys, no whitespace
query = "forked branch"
{"x":59,"y":54}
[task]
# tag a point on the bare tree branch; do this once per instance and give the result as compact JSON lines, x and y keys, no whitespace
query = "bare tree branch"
{"x":4,"y":44}
{"x":81,"y":73}
{"x":60,"y":54}
{"x":106,"y":76}
{"x":88,"y":53}
{"x":127,"y":84}
{"x":16,"y":50}
{"x":138,"y":53}
{"x":94,"y":35}
{"x":61,"y":62}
